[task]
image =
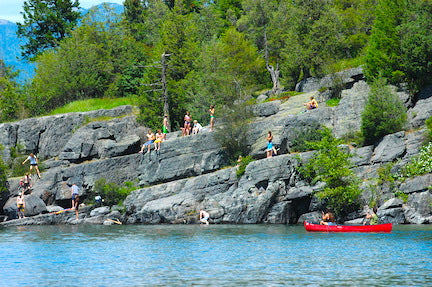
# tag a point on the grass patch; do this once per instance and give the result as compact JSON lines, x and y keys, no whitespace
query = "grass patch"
{"x":92,"y":105}
{"x":283,"y":96}
{"x":333,"y":102}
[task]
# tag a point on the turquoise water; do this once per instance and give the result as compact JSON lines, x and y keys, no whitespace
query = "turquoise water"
{"x":214,"y":255}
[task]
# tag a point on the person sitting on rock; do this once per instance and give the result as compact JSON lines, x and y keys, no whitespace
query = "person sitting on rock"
{"x":150,"y":139}
{"x":204,"y":216}
{"x":159,"y":138}
{"x":20,"y":205}
{"x":327,"y":218}
{"x":197,"y":127}
{"x":312,"y":104}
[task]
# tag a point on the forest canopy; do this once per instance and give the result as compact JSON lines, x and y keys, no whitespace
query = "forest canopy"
{"x":216,"y":52}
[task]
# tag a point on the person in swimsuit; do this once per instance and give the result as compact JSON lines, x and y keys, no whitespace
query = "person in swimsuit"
{"x":20,"y":205}
{"x":270,"y":148}
{"x":159,"y":139}
{"x":196,"y":127}
{"x":204,"y":216}
{"x":26,"y":183}
{"x":33,"y":163}
{"x":150,"y":139}
{"x":165,"y":126}
{"x":187,"y":124}
{"x":327,"y":218}
{"x":312,"y":104}
{"x":75,"y":199}
{"x":212,"y":117}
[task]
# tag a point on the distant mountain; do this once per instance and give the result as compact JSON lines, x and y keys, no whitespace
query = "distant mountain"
{"x":10,"y":50}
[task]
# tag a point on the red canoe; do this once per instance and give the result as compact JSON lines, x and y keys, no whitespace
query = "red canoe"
{"x":347,"y":228}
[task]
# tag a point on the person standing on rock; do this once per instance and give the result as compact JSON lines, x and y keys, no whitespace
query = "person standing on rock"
{"x":204,"y":216}
{"x":20,"y":205}
{"x":33,"y":163}
{"x":212,"y":117}
{"x":165,"y":126}
{"x":187,"y":124}
{"x":270,"y":148}
{"x":75,"y":199}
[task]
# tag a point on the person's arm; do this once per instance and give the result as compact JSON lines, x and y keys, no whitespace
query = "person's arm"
{"x":25,"y":160}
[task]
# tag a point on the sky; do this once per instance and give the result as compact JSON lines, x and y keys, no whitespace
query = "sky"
{"x":10,"y":9}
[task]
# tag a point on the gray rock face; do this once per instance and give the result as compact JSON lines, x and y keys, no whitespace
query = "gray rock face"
{"x":416,"y":184}
{"x":33,"y":206}
{"x":390,"y":148}
{"x":36,"y":135}
{"x":266,"y":109}
{"x":422,"y":110}
{"x":260,"y":195}
{"x":345,"y":78}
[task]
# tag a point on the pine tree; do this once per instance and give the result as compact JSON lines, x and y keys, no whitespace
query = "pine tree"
{"x":46,"y":22}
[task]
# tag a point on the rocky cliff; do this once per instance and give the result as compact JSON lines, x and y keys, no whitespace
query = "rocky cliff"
{"x":188,"y":174}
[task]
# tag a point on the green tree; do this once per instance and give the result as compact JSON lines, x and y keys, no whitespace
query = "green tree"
{"x":383,"y":53}
{"x":46,"y":23}
{"x":383,"y":114}
{"x":100,"y":59}
{"x":10,"y":96}
{"x":416,"y":43}
{"x":330,"y":165}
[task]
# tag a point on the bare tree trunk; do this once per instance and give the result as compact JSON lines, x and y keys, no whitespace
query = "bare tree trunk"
{"x":274,"y":72}
{"x":165,"y":90}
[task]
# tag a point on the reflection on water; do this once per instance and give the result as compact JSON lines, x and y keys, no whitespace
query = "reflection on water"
{"x":214,"y":255}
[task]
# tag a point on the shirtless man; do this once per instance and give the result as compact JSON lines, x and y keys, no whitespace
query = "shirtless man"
{"x":150,"y":139}
{"x":20,"y":205}
{"x":204,"y":216}
{"x":165,"y":126}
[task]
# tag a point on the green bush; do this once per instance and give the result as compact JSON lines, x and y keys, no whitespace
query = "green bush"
{"x":232,"y":134}
{"x":110,"y":192}
{"x":301,"y":138}
{"x":384,"y":113}
{"x":420,"y":164}
{"x":333,"y":102}
{"x":331,"y":166}
{"x":243,"y":164}
{"x":428,"y":124}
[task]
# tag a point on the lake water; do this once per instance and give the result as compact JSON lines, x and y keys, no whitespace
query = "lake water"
{"x":214,"y":255}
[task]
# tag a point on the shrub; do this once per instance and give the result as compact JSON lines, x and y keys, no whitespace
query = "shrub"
{"x":110,"y":192}
{"x":300,"y":138}
{"x":420,"y":164}
{"x":232,"y":134}
{"x":333,"y":102}
{"x":384,"y":113}
{"x":428,"y":124}
{"x":243,"y":164}
{"x":331,"y":166}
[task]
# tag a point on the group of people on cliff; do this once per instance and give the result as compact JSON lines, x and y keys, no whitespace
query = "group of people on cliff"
{"x":26,"y":184}
{"x":187,"y":129}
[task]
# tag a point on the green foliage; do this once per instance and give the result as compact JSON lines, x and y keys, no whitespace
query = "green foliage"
{"x":428,"y":124}
{"x":232,"y":135}
{"x":3,"y":178}
{"x":243,"y":164}
{"x":46,"y":23}
{"x":112,"y":193}
{"x":93,"y":104}
{"x":420,"y":164}
{"x":402,"y":196}
{"x":384,"y":113}
{"x":331,"y":166}
{"x":283,"y":96}
{"x":300,"y":141}
{"x":99,"y":60}
{"x":333,"y":102}
{"x":382,"y":59}
{"x":385,"y":176}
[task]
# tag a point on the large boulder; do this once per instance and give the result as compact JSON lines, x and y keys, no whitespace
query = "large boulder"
{"x":390,"y":148}
{"x":33,"y":206}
